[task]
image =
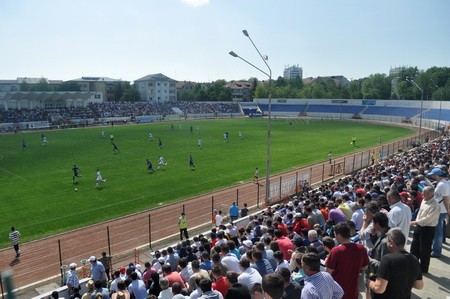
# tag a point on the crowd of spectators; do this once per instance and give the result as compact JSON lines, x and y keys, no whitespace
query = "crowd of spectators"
{"x":115,"y":109}
{"x":319,"y":244}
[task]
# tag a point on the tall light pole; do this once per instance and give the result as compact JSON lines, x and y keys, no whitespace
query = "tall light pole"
{"x":269,"y":120}
{"x":421,"y":107}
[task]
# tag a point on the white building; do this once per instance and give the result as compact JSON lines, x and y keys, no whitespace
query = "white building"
{"x":156,"y":88}
{"x":292,"y":72}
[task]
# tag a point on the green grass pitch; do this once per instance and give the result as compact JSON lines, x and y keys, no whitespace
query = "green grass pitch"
{"x":38,"y":196}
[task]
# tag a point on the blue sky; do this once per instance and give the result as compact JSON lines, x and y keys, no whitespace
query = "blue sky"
{"x":190,"y":39}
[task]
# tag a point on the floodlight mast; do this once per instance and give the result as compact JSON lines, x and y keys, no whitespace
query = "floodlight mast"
{"x":269,"y":119}
{"x":421,"y":107}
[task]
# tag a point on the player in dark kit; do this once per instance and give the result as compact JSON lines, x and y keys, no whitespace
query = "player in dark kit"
{"x":114,"y":147}
{"x":191,"y":162}
{"x":24,"y":144}
{"x":160,"y":145}
{"x":75,"y":170}
{"x":150,"y":166}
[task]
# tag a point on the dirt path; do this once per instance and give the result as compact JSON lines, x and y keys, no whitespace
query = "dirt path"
{"x":40,"y":259}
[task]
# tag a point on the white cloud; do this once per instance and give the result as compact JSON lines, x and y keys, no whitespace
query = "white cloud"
{"x":196,"y":2}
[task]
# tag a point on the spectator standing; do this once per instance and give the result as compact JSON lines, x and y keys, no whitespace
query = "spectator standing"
{"x":234,"y":212}
{"x":244,"y":210}
{"x":400,"y":214}
{"x":72,"y":281}
{"x":14,"y":236}
{"x":106,"y":262}
{"x":318,"y":284}
{"x":442,"y":196}
{"x":425,"y":228}
{"x":399,"y":271}
{"x":219,"y":218}
{"x":346,"y":261}
{"x":97,"y":271}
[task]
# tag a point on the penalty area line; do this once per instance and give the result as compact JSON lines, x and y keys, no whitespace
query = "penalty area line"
{"x":24,"y":179}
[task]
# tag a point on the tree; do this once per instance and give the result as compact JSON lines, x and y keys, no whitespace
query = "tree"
{"x":354,"y":89}
{"x":131,"y":94}
{"x":376,"y":86}
{"x":280,"y":82}
{"x":42,"y":85}
{"x":261,"y":91}
{"x":218,"y":92}
{"x":118,"y":90}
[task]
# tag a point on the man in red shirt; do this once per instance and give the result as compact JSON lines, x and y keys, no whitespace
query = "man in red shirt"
{"x":221,"y":284}
{"x":172,"y":276}
{"x":284,"y":243}
{"x":346,"y":261}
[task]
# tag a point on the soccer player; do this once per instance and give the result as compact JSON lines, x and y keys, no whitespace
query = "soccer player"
{"x":225,"y":136}
{"x":200,"y":142}
{"x":330,"y":157}
{"x":150,"y":166}
{"x":161,"y":162}
{"x":44,"y":139}
{"x":111,"y":137}
{"x":75,"y":170}
{"x":191,"y":162}
{"x":150,"y":136}
{"x":354,"y":141}
{"x":114,"y":147}
{"x":191,"y":129}
{"x":241,"y":136}
{"x":99,"y":178}
{"x":160,"y":144}
{"x":102,"y":133}
{"x":24,"y":144}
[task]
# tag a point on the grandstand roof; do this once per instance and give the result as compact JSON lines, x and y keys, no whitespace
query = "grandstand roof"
{"x":158,"y":76}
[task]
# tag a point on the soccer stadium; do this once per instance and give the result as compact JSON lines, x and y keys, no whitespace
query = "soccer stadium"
{"x":202,"y":149}
{"x":135,"y":210}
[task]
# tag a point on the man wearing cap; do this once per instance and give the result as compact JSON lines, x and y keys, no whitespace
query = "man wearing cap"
{"x":72,"y":279}
{"x":97,"y":270}
{"x":442,"y":196}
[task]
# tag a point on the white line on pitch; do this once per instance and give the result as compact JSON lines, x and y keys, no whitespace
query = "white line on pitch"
{"x":14,"y":174}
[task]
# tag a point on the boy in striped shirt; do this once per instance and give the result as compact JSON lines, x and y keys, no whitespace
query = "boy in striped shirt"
{"x":14,"y":236}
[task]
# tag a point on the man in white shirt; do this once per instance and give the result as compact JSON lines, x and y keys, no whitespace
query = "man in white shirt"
{"x":249,"y":276}
{"x":400,"y":214}
{"x":442,"y":196}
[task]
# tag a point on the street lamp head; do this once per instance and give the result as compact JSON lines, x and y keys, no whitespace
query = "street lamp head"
{"x":245,"y":33}
{"x":233,"y":54}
